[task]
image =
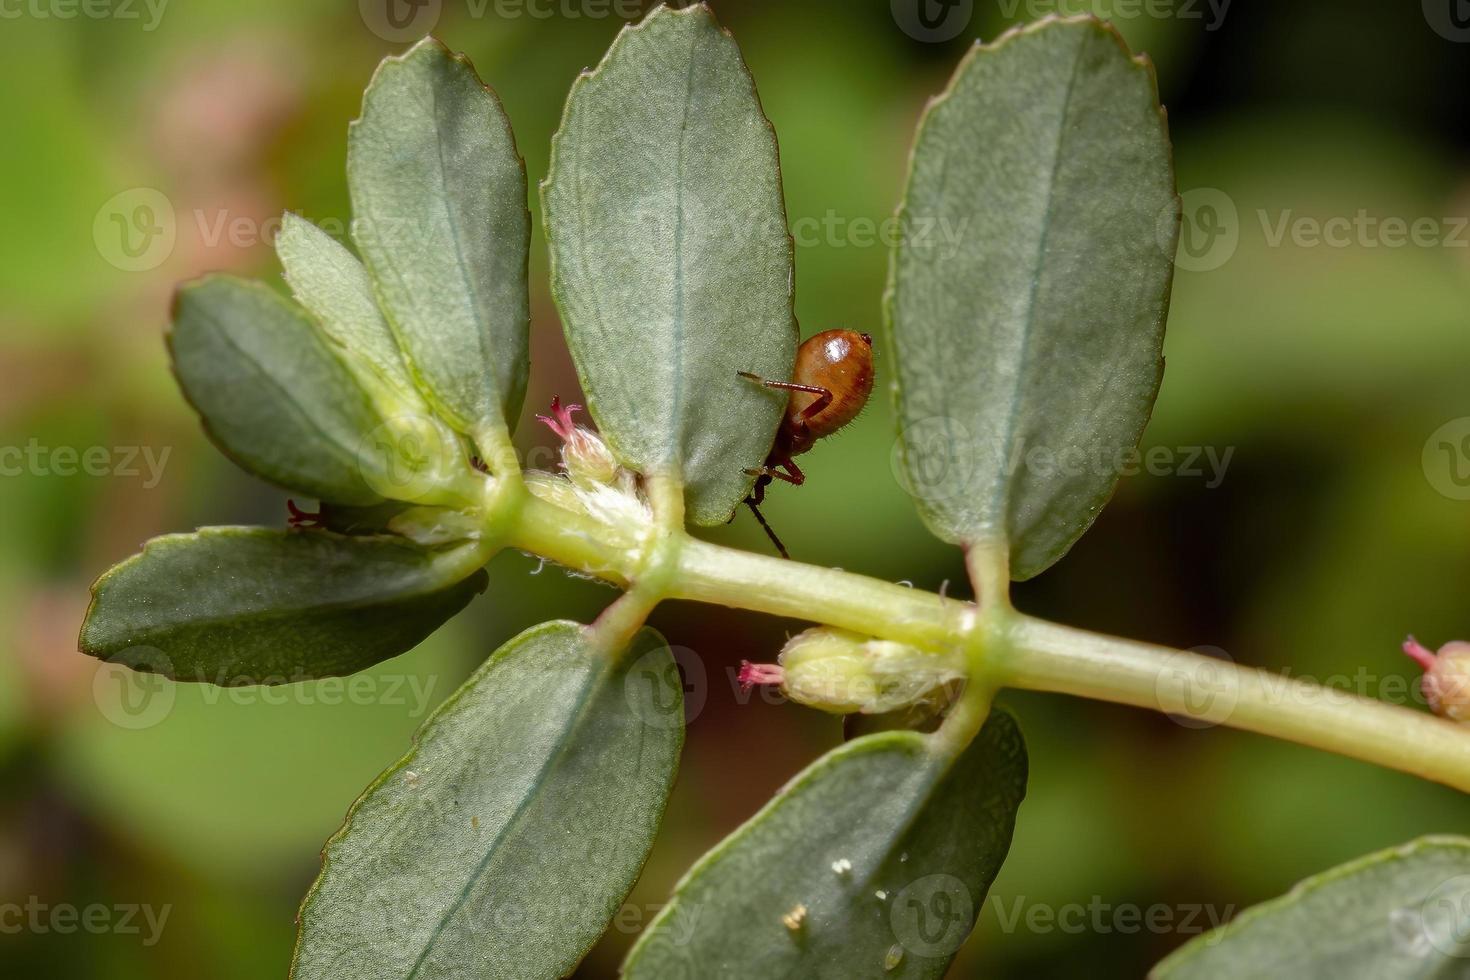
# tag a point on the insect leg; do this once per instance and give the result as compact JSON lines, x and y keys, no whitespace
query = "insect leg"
{"x":824,"y":397}
{"x":750,"y":502}
{"x":797,"y":479}
{"x":758,"y":492}
{"x":303,"y":518}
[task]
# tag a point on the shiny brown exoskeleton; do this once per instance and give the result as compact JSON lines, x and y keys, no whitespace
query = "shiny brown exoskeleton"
{"x":833,"y":378}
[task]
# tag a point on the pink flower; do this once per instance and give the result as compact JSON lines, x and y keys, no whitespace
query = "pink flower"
{"x":751,"y":674}
{"x":584,"y":456}
{"x":560,"y":419}
{"x":1446,"y":681}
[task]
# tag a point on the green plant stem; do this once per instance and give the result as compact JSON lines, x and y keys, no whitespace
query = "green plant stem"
{"x":1057,"y":658}
{"x":657,"y":568}
{"x":1017,"y":650}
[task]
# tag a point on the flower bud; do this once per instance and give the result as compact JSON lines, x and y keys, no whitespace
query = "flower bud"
{"x":1446,"y":681}
{"x":845,"y":673}
{"x":584,"y":456}
{"x":554,"y":490}
{"x":591,"y":482}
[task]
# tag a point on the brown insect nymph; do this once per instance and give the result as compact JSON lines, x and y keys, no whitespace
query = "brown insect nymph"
{"x":831,"y":382}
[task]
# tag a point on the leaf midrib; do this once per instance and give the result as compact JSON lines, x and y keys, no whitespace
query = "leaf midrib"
{"x":999,"y":510}
{"x":343,"y":454}
{"x":290,"y":612}
{"x":553,"y":757}
{"x":425,"y":587}
{"x":936,"y":769}
{"x":476,"y":301}
{"x":677,"y":406}
{"x":317,"y":258}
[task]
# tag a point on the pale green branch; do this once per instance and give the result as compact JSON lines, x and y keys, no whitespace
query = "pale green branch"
{"x":1018,"y":651}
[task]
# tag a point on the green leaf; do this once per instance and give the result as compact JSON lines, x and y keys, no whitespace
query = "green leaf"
{"x":412,"y":455}
{"x":874,"y":862}
{"x":273,"y":396}
{"x":670,"y":259}
{"x":1399,"y":913}
{"x":335,"y":288}
{"x":507,"y":838}
{"x":239,"y":605}
{"x":439,"y":214}
{"x":1028,"y":291}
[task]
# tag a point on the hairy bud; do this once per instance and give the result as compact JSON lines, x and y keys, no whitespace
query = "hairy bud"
{"x":846,"y":673}
{"x":1446,"y":681}
{"x":585,"y":458}
{"x":592,"y":481}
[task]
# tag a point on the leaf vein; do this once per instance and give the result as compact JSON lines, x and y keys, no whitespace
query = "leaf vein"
{"x":999,"y":496}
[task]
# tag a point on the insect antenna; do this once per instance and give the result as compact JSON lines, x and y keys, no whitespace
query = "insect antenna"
{"x":767,"y":528}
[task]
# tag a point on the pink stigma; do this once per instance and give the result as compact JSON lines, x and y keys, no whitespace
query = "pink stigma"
{"x":560,"y":419}
{"x":751,"y":674}
{"x":302,"y":518}
{"x":1421,"y":654}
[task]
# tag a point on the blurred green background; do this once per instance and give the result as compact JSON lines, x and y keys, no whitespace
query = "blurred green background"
{"x":1324,"y":367}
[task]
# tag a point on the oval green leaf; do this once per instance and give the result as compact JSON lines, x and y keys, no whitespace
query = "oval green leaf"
{"x":334,"y":287}
{"x":440,"y":216}
{"x":1029,"y":288}
{"x":1394,"y":915}
{"x":670,"y":259}
{"x":874,"y":862}
{"x":240,"y":605}
{"x":272,"y":394}
{"x":508,"y":837}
